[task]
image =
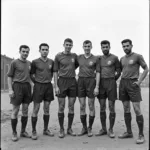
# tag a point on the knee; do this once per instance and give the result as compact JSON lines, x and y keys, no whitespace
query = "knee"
{"x":102,"y":108}
{"x":137,"y":112}
{"x":14,"y":114}
{"x":112,"y":109}
{"x":25,"y":112}
{"x":61,"y":108}
{"x":46,"y":110}
{"x":82,"y":108}
{"x":71,"y":108}
{"x":91,"y":107}
{"x":35,"y":111}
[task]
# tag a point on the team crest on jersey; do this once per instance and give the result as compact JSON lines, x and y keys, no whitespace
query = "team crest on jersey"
{"x":131,"y":61}
{"x":90,"y":63}
{"x":29,"y":67}
{"x":50,"y":66}
{"x":73,"y":60}
{"x":109,"y":62}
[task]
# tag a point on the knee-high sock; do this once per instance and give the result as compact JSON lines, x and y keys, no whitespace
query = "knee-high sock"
{"x":128,"y":118}
{"x":103,"y":119}
{"x":61,"y":120}
{"x":24,"y":120}
{"x":112,"y":117}
{"x":140,"y":122}
{"x":91,"y":121}
{"x":34,"y":121}
{"x":70,"y":120}
{"x":46,"y":121}
{"x":83,"y":120}
{"x":14,"y":124}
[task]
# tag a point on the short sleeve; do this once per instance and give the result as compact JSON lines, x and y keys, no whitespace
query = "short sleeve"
{"x":141,"y":61}
{"x":76,"y":61}
{"x":117,"y":63}
{"x":11,"y":69}
{"x":56,"y":64}
{"x":33,"y":68}
{"x":121,"y":64}
{"x":98,"y":64}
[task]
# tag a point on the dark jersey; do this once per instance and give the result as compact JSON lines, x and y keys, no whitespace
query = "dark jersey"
{"x":130,"y":65}
{"x":42,"y":70}
{"x":109,"y":66}
{"x":65,"y":64}
{"x":20,"y":71}
{"x":88,"y":66}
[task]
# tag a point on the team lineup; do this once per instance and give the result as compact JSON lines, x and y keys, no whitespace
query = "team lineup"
{"x":96,"y":79}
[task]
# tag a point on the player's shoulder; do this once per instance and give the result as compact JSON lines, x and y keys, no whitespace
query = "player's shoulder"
{"x":59,"y":54}
{"x":35,"y":60}
{"x":28,"y":61}
{"x":137,"y":55}
{"x":51,"y":60}
{"x":80,"y":55}
{"x":73,"y":54}
{"x":14,"y":62}
{"x":113,"y":55}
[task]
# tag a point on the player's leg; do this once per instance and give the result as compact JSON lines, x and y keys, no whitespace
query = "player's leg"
{"x":91,"y":103}
{"x":127,"y":118}
{"x":103,"y":131}
{"x":71,"y":93}
{"x":140,"y":122}
{"x":71,"y":102}
{"x":61,"y":107}
{"x":25,"y":105}
{"x":82,"y":101}
{"x":38,"y":96}
{"x":83,"y":115}
{"x":112,"y":96}
{"x":34,"y":118}
{"x":125,"y":98}
{"x":16,"y":102}
{"x":24,"y":120}
{"x":14,"y":121}
{"x":112,"y":116}
{"x":48,"y":97}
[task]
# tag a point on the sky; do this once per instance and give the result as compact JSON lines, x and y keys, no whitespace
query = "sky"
{"x":33,"y":22}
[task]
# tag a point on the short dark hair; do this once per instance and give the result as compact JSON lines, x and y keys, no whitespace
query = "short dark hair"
{"x":87,"y":42}
{"x":105,"y":42}
{"x":23,"y":46}
{"x":68,"y":40}
{"x":126,"y":40}
{"x":43,"y":44}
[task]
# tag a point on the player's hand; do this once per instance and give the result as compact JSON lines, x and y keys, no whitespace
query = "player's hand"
{"x":57,"y":91}
{"x":137,"y":83}
{"x":11,"y":93}
{"x":96,"y":91}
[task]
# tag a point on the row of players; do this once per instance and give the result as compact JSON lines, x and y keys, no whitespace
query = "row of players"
{"x":97,"y":77}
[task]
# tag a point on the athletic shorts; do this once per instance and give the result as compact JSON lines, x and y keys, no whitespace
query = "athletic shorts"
{"x":42,"y":92}
{"x":107,"y":89}
{"x":86,"y":87}
{"x":22,"y":93}
{"x":67,"y":87}
{"x":129,"y":91}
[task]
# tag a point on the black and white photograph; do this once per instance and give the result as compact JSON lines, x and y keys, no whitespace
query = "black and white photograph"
{"x":75,"y":74}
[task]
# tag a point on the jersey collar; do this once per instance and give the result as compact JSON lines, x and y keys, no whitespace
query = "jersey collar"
{"x":43,"y":59}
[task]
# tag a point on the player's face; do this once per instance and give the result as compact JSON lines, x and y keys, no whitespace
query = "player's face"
{"x":68,"y":47}
{"x":105,"y":49}
{"x":127,"y":47}
{"x":24,"y":52}
{"x":87,"y":48}
{"x":44,"y":51}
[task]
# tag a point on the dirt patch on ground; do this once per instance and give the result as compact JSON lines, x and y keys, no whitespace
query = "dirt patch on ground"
{"x":74,"y":143}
